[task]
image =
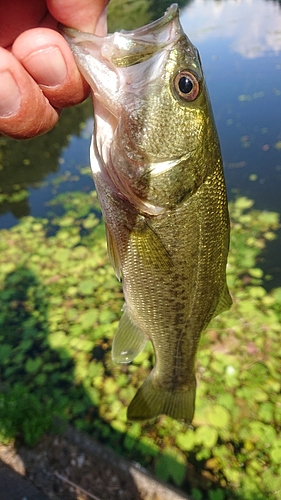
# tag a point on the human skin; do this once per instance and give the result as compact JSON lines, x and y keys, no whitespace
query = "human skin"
{"x":38,"y":74}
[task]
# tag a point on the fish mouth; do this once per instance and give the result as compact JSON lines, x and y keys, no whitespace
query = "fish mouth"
{"x":102,"y":60}
{"x":124,"y":48}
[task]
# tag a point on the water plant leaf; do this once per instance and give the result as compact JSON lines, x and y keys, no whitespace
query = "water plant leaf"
{"x":206,"y":436}
{"x":218,"y":416}
{"x":88,"y":318}
{"x":86,"y":287}
{"x":186,"y":441}
{"x":32,"y":365}
{"x":171,"y":465}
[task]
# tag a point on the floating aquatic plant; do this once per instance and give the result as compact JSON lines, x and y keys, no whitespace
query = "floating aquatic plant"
{"x":60,"y":304}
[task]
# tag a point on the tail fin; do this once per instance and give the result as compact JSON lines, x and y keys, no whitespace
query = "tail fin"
{"x":151,"y":401}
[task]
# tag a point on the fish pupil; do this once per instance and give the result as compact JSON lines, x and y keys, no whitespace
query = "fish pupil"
{"x":185,"y":85}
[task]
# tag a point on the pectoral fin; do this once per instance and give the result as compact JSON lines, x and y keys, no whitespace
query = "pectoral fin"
{"x":149,"y":247}
{"x":129,"y":340}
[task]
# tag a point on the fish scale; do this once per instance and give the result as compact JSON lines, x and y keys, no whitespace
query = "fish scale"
{"x":157,"y":168}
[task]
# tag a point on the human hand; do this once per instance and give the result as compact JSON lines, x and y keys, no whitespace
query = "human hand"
{"x":38,"y":74}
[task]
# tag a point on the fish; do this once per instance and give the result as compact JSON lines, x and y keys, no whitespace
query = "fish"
{"x":158,"y":171}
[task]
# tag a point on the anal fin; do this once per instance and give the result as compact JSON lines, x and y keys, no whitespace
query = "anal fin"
{"x":129,"y":340}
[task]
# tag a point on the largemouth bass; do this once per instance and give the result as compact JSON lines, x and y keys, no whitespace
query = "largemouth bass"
{"x":157,"y":168}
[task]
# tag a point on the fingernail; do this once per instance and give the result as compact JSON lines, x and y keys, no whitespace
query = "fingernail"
{"x":47,"y":66}
{"x":10,"y":96}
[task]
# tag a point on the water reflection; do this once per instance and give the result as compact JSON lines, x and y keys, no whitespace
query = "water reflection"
{"x":249,"y":27}
{"x":25,"y":164}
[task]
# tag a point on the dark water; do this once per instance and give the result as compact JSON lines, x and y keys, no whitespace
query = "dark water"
{"x":240,"y":47}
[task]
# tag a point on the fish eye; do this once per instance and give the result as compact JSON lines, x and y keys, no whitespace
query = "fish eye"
{"x":186,"y":85}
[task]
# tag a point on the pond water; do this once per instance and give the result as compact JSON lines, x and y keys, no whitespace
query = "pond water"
{"x":240,"y":46}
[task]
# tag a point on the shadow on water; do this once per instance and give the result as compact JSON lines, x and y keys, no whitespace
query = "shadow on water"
{"x":38,"y":384}
{"x":39,"y":389}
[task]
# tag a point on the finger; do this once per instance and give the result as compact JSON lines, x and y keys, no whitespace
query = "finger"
{"x":91,"y":15}
{"x":48,"y":59}
{"x":24,"y":110}
{"x":18,"y":16}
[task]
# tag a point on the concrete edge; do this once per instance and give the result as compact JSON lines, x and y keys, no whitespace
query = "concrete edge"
{"x":143,"y":479}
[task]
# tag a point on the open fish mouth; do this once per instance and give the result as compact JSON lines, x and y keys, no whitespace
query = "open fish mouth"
{"x":99,"y":58}
{"x":160,"y":31}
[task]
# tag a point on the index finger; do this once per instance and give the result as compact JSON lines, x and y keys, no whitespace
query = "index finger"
{"x":90,"y":16}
